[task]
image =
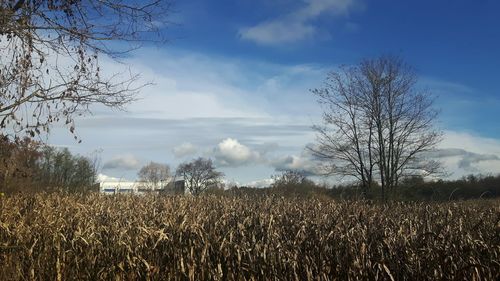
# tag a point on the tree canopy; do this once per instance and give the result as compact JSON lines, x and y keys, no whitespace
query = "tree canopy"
{"x":154,"y":175}
{"x":199,"y":175}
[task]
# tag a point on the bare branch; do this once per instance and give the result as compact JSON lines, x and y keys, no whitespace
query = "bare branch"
{"x":49,"y":57}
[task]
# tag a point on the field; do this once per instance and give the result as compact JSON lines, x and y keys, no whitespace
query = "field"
{"x":93,"y":237}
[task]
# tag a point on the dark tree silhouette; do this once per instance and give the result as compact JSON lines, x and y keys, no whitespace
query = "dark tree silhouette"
{"x":289,"y":177}
{"x":376,"y":125}
{"x":199,"y":175}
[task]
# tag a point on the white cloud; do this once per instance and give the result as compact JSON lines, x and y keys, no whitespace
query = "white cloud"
{"x":106,"y":178}
{"x":298,"y":25}
{"x":184,"y":149}
{"x":461,"y":153}
{"x":466,"y":159}
{"x":174,"y":94}
{"x":315,"y":8}
{"x":192,"y":85}
{"x":260,"y":183}
{"x":488,"y":167}
{"x":229,"y":183}
{"x":464,"y":153}
{"x":470,"y":142}
{"x":303,"y":162}
{"x":123,"y":162}
{"x":203,"y":98}
{"x":278,"y":31}
{"x":230,"y":152}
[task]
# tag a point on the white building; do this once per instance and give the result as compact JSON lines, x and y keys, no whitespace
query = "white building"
{"x":138,"y":187}
{"x":117,"y":187}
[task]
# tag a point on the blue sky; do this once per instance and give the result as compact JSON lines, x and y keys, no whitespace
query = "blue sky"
{"x":457,"y":41}
{"x":233,"y":83}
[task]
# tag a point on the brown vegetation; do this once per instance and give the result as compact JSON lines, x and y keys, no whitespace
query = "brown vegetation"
{"x":29,"y":166}
{"x":92,"y":237}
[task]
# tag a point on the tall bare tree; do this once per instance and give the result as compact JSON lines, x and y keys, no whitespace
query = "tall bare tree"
{"x":377,"y":125}
{"x":199,"y":175}
{"x":49,"y":57}
{"x":155,"y":175}
{"x":345,"y":140}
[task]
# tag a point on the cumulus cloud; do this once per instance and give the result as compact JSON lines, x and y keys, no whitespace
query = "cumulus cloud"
{"x":304,"y":163}
{"x":297,"y":25}
{"x":123,"y":162}
{"x":184,"y":149}
{"x":230,"y":152}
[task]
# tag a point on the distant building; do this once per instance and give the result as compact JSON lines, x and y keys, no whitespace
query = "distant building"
{"x":174,"y":188}
{"x":138,"y":187}
{"x":118,"y":187}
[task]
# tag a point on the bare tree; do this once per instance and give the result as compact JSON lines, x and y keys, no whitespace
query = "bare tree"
{"x":289,"y":177}
{"x":49,"y":57}
{"x":377,"y":125}
{"x":199,"y":175}
{"x":155,"y":175}
{"x":345,"y":140}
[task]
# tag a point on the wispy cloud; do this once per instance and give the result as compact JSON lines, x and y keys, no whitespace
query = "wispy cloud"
{"x":470,"y":142}
{"x":184,"y":149}
{"x":297,"y":25}
{"x":199,"y":99}
{"x":235,"y":110}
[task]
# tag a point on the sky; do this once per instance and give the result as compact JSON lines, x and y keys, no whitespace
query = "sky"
{"x":233,"y":83}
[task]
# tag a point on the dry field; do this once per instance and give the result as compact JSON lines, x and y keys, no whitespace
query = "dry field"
{"x":70,"y":237}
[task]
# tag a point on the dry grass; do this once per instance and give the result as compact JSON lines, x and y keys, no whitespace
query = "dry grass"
{"x":69,"y":237}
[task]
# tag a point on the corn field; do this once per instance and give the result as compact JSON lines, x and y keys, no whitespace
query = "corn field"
{"x":97,"y":237}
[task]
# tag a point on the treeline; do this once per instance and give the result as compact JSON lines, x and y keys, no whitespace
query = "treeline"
{"x":292,"y":184}
{"x":27,"y":165}
{"x":417,"y":189}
